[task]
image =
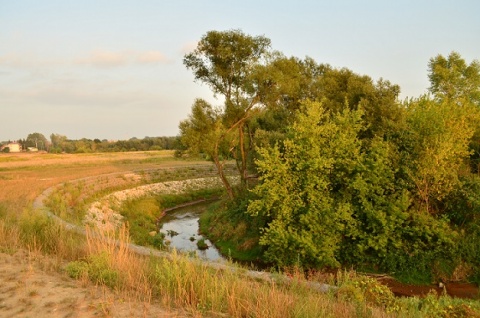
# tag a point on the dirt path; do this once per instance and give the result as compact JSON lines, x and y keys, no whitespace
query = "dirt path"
{"x":32,"y":286}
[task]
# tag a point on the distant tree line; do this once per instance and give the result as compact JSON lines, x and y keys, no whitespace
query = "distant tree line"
{"x":61,"y":144}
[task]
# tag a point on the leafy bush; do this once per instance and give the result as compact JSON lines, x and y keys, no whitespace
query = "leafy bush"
{"x":424,"y":242}
{"x":363,"y":289}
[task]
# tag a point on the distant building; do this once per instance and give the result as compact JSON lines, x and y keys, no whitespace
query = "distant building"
{"x":12,"y":147}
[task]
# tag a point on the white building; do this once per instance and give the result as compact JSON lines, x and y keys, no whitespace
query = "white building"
{"x":13,"y":147}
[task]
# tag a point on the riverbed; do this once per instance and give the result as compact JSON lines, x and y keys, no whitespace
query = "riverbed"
{"x":180,"y":227}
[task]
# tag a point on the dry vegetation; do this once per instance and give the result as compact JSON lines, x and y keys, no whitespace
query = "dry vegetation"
{"x":39,"y":258}
{"x":33,"y":281}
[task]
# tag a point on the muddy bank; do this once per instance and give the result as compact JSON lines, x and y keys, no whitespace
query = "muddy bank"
{"x":453,"y":289}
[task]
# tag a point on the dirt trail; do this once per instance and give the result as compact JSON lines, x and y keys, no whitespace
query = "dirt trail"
{"x":32,"y":286}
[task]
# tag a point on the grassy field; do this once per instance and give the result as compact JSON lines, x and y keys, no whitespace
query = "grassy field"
{"x":48,"y":271}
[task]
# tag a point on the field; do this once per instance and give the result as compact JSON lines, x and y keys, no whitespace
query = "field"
{"x":46,"y":271}
{"x":31,"y":283}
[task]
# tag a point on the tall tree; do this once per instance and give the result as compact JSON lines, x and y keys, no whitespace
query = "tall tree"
{"x":440,"y":133}
{"x":37,"y":140}
{"x":204,"y":132}
{"x":58,"y":142}
{"x":452,"y":79}
{"x":225,"y":61}
{"x":305,"y":221}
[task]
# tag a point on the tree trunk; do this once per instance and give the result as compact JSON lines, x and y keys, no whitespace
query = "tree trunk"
{"x":221,"y":173}
{"x":243,"y":167}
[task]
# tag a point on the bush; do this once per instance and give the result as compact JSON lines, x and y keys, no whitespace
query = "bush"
{"x":96,"y":268}
{"x":363,"y":289}
{"x":463,"y":205}
{"x":77,"y":269}
{"x":428,"y":248}
{"x":37,"y":230}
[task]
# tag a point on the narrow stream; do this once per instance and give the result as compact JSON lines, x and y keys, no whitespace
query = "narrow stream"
{"x":180,"y":227}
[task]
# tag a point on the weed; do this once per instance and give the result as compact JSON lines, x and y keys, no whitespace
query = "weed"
{"x":77,"y":269}
{"x":201,"y":244}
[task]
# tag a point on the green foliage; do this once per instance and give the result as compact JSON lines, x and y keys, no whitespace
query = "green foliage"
{"x":77,"y":269}
{"x":202,"y":130}
{"x":366,"y":290}
{"x":67,"y":201}
{"x":331,"y":198}
{"x":60,"y":143}
{"x":40,"y":231}
{"x":470,"y":249}
{"x":226,"y":61}
{"x":96,"y":268}
{"x":142,"y":214}
{"x":100,"y":271}
{"x":307,"y":223}
{"x":440,"y":136}
{"x":223,"y":61}
{"x":37,"y":140}
{"x":462,"y":206}
{"x":233,"y":232}
{"x":452,"y":79}
{"x":424,"y":241}
{"x":358,"y":179}
{"x":379,"y":206}
{"x":201,"y":244}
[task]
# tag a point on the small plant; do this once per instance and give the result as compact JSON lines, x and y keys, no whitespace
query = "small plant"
{"x":77,"y":269}
{"x":201,"y":244}
{"x":172,"y":233}
{"x":96,"y":268}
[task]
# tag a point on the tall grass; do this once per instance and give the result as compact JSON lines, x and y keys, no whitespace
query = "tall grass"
{"x":205,"y":291}
{"x":9,"y":233}
{"x":196,"y":287}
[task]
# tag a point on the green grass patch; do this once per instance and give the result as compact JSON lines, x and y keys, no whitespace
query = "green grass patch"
{"x":232,"y":233}
{"x":141,"y":216}
{"x":96,"y":268}
{"x":6,"y":158}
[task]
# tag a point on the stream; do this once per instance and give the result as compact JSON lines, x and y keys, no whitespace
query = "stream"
{"x":180,"y":227}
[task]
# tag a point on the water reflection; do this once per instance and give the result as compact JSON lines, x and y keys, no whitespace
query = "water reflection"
{"x":181,"y":231}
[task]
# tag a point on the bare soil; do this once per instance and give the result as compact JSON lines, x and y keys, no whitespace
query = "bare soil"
{"x":453,"y":289}
{"x":33,"y":286}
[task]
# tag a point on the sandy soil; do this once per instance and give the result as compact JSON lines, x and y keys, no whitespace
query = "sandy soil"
{"x":32,"y":286}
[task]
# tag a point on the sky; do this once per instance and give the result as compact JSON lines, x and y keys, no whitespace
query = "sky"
{"x":113,"y":69}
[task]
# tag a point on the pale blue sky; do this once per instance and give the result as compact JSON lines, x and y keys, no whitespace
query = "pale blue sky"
{"x":113,"y":69}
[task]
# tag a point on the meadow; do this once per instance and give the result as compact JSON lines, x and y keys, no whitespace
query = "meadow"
{"x":48,"y":271}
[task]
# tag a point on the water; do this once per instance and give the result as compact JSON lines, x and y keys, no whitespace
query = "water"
{"x":180,"y":227}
